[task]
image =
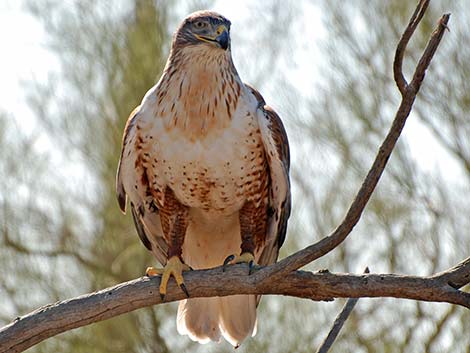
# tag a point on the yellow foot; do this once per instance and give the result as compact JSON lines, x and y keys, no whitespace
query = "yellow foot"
{"x":174,"y":267}
{"x":246,"y":257}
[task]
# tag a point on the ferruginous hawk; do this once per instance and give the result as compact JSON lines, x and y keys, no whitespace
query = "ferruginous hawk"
{"x":205,"y":165}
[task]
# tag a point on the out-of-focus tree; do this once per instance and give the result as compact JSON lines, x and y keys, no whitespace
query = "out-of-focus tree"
{"x":414,"y":221}
{"x":62,"y":232}
{"x":65,"y":236}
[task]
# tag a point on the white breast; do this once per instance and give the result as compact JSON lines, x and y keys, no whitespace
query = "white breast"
{"x":217,"y":172}
{"x":200,"y":136}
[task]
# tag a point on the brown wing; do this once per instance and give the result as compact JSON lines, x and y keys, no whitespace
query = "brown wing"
{"x":277,"y":151}
{"x":282,"y":146}
{"x":121,"y":193}
{"x":132,"y":183}
{"x":139,"y":226}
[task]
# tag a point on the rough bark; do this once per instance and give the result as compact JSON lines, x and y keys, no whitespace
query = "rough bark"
{"x":339,"y":322}
{"x":62,"y":316}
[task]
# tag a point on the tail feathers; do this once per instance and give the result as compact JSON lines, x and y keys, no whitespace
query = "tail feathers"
{"x":237,"y":317}
{"x":208,"y":319}
{"x":198,"y":318}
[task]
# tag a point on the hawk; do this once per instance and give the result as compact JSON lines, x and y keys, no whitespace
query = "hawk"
{"x":205,"y":165}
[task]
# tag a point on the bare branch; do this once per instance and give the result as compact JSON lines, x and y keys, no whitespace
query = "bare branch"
{"x":401,"y":47}
{"x":428,"y":54}
{"x":338,"y":325}
{"x":325,"y":245}
{"x":339,"y":322}
{"x":53,"y":319}
{"x":458,"y":276}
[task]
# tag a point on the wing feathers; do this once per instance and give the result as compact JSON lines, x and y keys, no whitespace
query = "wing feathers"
{"x":140,"y":228}
{"x":277,"y":152}
{"x":120,"y":191}
{"x":279,"y":136}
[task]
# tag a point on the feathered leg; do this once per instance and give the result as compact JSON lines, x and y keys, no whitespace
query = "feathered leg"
{"x":252,"y":229}
{"x":174,"y":218}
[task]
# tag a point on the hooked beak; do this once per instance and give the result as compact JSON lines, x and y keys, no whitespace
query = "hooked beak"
{"x":221,"y":38}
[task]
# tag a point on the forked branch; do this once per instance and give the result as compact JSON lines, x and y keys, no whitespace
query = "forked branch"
{"x":401,"y":47}
{"x":325,"y":245}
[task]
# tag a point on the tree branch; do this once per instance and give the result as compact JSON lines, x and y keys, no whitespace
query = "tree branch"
{"x":325,"y":245}
{"x":53,"y":319}
{"x":339,"y":322}
{"x":405,"y":38}
{"x":458,"y":276}
{"x":338,"y":325}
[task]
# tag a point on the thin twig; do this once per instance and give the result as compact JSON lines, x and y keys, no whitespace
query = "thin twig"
{"x":405,"y":38}
{"x":339,"y":322}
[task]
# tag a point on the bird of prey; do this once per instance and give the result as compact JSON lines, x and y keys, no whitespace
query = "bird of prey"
{"x":205,"y":165}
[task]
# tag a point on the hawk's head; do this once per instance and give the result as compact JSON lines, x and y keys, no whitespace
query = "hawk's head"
{"x":203,"y":28}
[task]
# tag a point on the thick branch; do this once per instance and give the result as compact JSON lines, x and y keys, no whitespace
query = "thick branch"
{"x":325,"y":245}
{"x":53,"y":319}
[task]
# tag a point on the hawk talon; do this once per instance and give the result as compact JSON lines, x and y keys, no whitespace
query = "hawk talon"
{"x":251,"y":266}
{"x":174,"y":267}
{"x":246,"y":257}
{"x":184,"y":289}
{"x":152,"y":271}
{"x":227,"y":260}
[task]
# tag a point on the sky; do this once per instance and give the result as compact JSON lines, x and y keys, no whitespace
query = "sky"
{"x":23,"y":39}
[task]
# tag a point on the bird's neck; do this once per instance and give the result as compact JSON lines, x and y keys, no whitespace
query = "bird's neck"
{"x":199,"y":90}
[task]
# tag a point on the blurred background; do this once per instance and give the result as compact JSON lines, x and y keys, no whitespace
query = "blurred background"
{"x":72,"y":71}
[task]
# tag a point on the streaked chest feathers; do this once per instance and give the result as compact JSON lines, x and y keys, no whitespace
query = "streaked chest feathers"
{"x":204,"y":142}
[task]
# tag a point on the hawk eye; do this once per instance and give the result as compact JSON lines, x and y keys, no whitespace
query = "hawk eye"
{"x":200,"y":24}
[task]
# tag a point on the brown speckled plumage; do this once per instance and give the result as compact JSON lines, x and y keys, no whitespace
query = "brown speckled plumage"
{"x":205,"y":165}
